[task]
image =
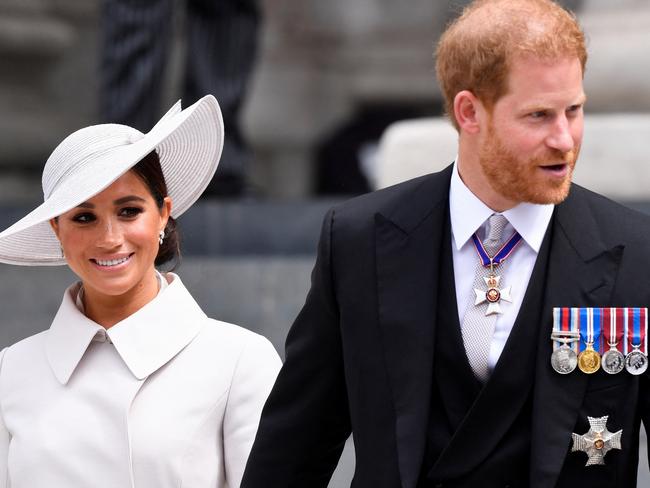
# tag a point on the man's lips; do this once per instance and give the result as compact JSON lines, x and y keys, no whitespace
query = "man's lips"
{"x":558,"y":170}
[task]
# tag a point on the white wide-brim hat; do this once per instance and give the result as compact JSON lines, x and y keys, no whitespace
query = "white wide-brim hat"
{"x":188,"y":143}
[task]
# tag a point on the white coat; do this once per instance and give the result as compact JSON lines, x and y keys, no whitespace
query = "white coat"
{"x":166,"y":398}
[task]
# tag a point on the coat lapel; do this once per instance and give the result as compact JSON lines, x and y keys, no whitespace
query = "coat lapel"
{"x":581,"y":272}
{"x":408,"y":239}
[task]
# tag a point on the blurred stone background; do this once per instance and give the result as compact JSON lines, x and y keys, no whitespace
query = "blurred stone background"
{"x":329,"y":78}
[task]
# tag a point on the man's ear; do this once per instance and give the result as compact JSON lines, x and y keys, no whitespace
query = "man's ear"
{"x":467,"y":111}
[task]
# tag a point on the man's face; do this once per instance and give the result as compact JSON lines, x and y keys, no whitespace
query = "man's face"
{"x":533,"y":134}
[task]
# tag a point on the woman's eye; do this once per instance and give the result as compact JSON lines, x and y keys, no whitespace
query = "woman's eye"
{"x":130,"y":212}
{"x":83,"y":218}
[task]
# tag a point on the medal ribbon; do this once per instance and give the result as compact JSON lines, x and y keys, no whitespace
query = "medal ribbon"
{"x":575,"y":325}
{"x":637,"y":322}
{"x":562,"y":322}
{"x":596,"y":315}
{"x":613,"y":320}
{"x":589,"y":328}
{"x":501,"y":255}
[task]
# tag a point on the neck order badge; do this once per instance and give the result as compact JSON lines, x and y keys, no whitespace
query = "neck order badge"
{"x":493,"y":295}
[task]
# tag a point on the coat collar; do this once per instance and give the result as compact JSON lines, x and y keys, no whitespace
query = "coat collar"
{"x":145,"y":341}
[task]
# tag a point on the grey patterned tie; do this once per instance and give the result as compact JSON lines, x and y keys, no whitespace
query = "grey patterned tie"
{"x":477,"y":328}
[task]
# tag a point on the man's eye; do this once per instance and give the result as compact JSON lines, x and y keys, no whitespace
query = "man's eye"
{"x":574,"y":109}
{"x":83,"y":218}
{"x":540,"y":114}
{"x":130,"y":212}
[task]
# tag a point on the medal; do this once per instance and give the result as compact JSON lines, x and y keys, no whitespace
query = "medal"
{"x":597,"y":442}
{"x":589,"y":359}
{"x":564,"y":358}
{"x":636,"y":361}
{"x":494,"y":293}
{"x":613,"y":361}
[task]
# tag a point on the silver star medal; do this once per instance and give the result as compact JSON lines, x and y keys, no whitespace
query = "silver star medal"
{"x":597,"y":442}
{"x":493,"y":295}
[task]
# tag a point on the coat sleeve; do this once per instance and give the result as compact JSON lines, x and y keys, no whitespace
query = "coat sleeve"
{"x":4,"y":438}
{"x":306,"y":420}
{"x":253,"y":379}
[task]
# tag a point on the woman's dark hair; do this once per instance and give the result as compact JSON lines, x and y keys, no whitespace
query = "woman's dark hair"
{"x":150,"y":172}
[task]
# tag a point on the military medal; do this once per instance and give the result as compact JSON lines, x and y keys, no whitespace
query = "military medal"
{"x":597,"y":442}
{"x":589,"y":359}
{"x":494,"y":293}
{"x":564,"y":358}
{"x":636,"y":361}
{"x":613,"y":361}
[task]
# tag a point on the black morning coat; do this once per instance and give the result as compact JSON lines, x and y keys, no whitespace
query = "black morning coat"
{"x":360,"y":355}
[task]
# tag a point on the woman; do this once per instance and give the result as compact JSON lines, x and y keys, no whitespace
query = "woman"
{"x":132,"y":385}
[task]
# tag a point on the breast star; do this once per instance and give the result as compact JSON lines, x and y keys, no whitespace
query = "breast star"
{"x":597,"y":442}
{"x":493,"y":295}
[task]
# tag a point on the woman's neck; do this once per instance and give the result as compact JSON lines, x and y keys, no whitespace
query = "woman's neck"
{"x":108,"y":310}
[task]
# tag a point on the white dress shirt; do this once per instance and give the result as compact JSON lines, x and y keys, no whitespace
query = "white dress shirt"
{"x":165,"y":398}
{"x":469,"y":215}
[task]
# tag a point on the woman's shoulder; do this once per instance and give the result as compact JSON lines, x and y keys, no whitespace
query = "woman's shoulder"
{"x":23,"y":356}
{"x":218,"y":330}
{"x":33,"y":344}
{"x":224,"y":337}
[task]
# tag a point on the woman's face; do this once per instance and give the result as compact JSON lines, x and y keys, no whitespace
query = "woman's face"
{"x":111,"y":240}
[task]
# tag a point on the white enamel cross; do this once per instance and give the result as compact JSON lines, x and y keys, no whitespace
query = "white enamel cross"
{"x":493,"y":295}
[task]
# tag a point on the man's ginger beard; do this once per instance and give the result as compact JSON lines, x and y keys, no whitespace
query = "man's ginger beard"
{"x":521,"y":180}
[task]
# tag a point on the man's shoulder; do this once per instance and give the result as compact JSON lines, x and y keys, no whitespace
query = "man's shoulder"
{"x":607,"y":208}
{"x":414,"y":195}
{"x":617,"y":219}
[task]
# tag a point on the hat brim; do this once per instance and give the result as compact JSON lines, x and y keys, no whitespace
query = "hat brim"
{"x":189,"y":144}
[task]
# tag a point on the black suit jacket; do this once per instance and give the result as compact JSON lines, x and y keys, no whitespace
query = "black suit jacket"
{"x":359,"y":357}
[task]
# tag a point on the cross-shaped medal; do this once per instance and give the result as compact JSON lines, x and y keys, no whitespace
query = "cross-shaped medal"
{"x":597,"y":442}
{"x":493,"y":295}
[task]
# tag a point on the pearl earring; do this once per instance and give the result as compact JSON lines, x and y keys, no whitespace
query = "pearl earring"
{"x":161,"y":237}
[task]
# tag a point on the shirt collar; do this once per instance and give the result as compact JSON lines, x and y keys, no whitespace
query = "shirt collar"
{"x":468,"y":213}
{"x":146,"y":340}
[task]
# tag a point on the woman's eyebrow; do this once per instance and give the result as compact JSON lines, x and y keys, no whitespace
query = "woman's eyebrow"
{"x":130,"y":198}
{"x":119,"y":201}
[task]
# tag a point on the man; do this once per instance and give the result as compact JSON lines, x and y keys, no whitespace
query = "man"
{"x":438,"y":362}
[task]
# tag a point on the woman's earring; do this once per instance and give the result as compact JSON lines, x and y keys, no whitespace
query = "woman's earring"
{"x":161,"y":237}
{"x":62,"y":253}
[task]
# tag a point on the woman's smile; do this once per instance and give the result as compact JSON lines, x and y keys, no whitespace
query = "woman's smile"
{"x":112,"y":263}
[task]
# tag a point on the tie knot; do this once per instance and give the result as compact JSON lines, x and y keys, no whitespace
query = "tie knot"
{"x":494,"y":234}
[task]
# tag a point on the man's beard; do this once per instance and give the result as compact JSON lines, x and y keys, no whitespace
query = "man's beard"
{"x":521,"y":180}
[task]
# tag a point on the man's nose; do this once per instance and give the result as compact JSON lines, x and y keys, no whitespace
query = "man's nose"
{"x":561,"y":137}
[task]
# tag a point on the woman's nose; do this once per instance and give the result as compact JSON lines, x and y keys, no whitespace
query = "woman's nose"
{"x":110,"y":235}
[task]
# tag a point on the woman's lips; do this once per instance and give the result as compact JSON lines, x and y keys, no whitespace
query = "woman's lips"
{"x":112,"y":264}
